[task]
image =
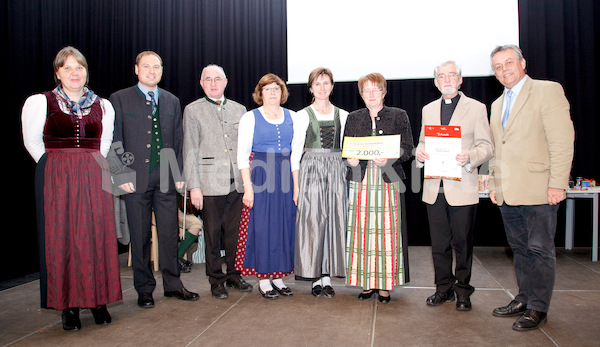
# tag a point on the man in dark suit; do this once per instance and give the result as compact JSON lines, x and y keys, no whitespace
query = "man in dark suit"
{"x":148,"y":128}
{"x":212,"y":175}
{"x":533,"y":137}
{"x":452,"y":204}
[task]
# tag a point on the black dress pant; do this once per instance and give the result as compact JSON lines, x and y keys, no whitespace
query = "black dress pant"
{"x":451,"y":227}
{"x":139,"y":215}
{"x":221,"y":216}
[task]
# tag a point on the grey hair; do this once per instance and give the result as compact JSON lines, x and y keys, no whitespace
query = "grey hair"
{"x":449,"y":62}
{"x":215,"y":66}
{"x":498,"y":49}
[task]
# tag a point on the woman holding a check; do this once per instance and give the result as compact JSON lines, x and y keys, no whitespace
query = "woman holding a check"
{"x":377,"y":252}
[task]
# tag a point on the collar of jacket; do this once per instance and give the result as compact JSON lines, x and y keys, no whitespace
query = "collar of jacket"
{"x":214,"y":102}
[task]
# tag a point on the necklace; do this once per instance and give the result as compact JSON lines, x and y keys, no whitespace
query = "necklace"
{"x":272,"y":115}
{"x":324,"y":110}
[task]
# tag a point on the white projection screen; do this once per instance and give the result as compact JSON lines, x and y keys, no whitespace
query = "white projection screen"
{"x":399,"y":39}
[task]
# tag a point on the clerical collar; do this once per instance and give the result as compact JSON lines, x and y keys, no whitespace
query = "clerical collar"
{"x":221,"y":101}
{"x":454,"y":100}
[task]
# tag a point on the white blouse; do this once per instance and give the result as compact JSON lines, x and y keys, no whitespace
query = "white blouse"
{"x":33,"y":118}
{"x":246,"y":137}
{"x":304,"y":121}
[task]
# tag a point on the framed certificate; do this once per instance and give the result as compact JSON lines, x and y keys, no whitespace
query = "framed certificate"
{"x":442,"y":143}
{"x":372,"y":147}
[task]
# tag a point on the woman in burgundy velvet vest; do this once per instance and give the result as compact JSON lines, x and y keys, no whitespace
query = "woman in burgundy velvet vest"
{"x":68,"y":132}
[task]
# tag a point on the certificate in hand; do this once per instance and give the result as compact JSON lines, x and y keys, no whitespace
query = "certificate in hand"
{"x":442,"y":143}
{"x":372,"y":147}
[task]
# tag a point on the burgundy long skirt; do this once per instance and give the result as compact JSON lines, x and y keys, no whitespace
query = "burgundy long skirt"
{"x":79,"y":265}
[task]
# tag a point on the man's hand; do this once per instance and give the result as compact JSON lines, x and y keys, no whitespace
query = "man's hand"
{"x":127,"y":187}
{"x":197,"y":198}
{"x":493,"y":197}
{"x":555,"y":196}
{"x":462,"y":158}
{"x":422,"y":155}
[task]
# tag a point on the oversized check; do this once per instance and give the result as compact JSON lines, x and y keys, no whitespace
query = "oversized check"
{"x":372,"y":147}
{"x":442,"y":143}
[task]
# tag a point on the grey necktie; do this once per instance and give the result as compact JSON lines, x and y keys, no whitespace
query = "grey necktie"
{"x":151,"y":94}
{"x":509,"y":95}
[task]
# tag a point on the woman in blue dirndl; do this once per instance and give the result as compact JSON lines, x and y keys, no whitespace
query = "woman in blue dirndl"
{"x":270,"y":188}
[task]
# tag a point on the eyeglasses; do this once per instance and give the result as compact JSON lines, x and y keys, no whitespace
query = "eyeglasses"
{"x":442,"y":76}
{"x":272,"y":89}
{"x":375,"y":91}
{"x":216,"y":79}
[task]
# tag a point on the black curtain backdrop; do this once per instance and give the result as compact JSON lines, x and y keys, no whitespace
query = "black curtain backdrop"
{"x":559,"y":39}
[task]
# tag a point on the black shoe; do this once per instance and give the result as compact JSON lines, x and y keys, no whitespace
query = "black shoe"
{"x":271,"y":294}
{"x":183,"y":294}
{"x":70,"y":319}
{"x":383,"y":299}
{"x":239,"y":284}
{"x":463,"y":303}
{"x":187,"y":262}
{"x":285,"y":291}
{"x":317,"y":291}
{"x":440,"y":298}
{"x":184,"y":265}
{"x":145,"y":300}
{"x":218,"y":291}
{"x":328,"y":292}
{"x":366,"y":294}
{"x":530,"y":320}
{"x":515,"y":308}
{"x":101,"y":315}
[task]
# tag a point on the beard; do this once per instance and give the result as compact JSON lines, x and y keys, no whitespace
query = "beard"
{"x":448,"y":90}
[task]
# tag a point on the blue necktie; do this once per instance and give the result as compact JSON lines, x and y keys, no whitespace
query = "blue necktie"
{"x":509,"y":94}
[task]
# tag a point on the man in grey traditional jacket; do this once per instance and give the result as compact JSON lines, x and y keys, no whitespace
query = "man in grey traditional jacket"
{"x":210,"y":165}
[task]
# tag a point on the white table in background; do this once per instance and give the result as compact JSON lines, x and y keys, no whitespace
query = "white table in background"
{"x":590,"y":193}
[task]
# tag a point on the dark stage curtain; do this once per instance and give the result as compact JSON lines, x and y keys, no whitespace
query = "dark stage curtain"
{"x":559,"y":39}
{"x":247,"y":38}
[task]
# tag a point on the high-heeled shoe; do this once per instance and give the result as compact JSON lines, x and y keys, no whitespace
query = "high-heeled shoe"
{"x":384,"y":299}
{"x":366,"y":294}
{"x":101,"y":315}
{"x":70,"y":319}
